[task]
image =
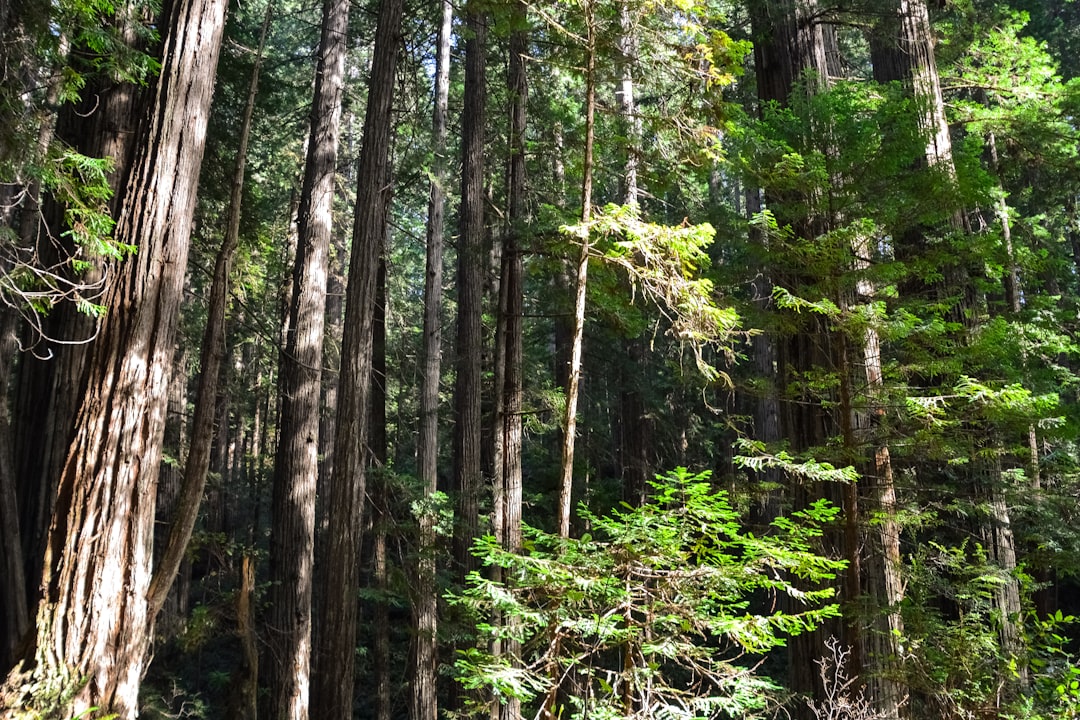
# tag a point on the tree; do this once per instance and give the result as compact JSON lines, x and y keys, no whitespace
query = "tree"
{"x":296,"y":470}
{"x":903,"y":50}
{"x":569,"y":428}
{"x":425,"y":604}
{"x":339,"y":580}
{"x":470,"y":258}
{"x":507,"y":480}
{"x":92,"y":647}
{"x":791,"y":59}
{"x":648,"y":614}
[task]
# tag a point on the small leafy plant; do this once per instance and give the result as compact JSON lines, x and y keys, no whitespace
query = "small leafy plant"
{"x":660,"y":611}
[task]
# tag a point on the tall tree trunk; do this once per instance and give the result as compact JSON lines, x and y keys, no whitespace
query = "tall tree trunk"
{"x":903,"y":49}
{"x":51,"y":379}
{"x":13,"y":605}
{"x":213,"y":353}
{"x":425,"y":606}
{"x":101,"y":536}
{"x":338,"y":583}
{"x":566,"y":478}
{"x":292,"y":546}
{"x":467,"y":428}
{"x":794,"y":53}
{"x":633,"y":422}
{"x":506,"y":519}
{"x":381,"y":502}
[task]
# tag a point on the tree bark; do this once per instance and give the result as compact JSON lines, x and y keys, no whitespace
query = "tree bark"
{"x":292,"y":547}
{"x":566,"y":479}
{"x":105,"y":123}
{"x":425,"y":605}
{"x":16,"y":612}
{"x":467,"y":388}
{"x":213,"y":352}
{"x":94,"y":621}
{"x":333,"y":689}
{"x":506,"y":519}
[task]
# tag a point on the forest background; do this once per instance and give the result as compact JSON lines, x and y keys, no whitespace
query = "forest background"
{"x":749,"y":390}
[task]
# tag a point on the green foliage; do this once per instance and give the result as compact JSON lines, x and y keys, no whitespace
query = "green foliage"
{"x":753,"y":456}
{"x":650,"y":613}
{"x":953,"y":655}
{"x":664,"y":263}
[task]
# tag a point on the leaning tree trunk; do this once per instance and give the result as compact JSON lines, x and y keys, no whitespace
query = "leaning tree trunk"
{"x":333,"y":690}
{"x":566,"y":476}
{"x":213,"y":352}
{"x":292,"y":546}
{"x":94,"y":621}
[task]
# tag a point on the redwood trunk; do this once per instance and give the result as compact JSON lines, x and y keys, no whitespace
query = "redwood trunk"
{"x":292,"y":548}
{"x":467,"y":429}
{"x":425,"y":605}
{"x":94,"y":621}
{"x":333,"y":690}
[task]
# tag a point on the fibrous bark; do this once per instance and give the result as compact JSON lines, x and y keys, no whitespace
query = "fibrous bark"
{"x":292,"y":546}
{"x":333,"y":690}
{"x":94,"y":621}
{"x":425,"y":605}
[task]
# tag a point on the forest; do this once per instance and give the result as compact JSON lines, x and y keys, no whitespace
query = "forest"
{"x":547,"y":359}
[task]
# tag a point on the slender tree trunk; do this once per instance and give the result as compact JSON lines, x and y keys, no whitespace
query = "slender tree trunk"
{"x":885,"y":576}
{"x":566,"y":480}
{"x":333,"y":690}
{"x":244,"y":693}
{"x":101,"y":537}
{"x":425,"y":605}
{"x":213,"y":352}
{"x":381,"y":502}
{"x":16,"y":613}
{"x":297,"y":466}
{"x":508,"y":346}
{"x":467,"y":429}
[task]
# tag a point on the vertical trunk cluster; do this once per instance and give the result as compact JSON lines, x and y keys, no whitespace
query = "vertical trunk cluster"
{"x":789,"y":57}
{"x":333,"y":689}
{"x":94,"y":621}
{"x":793,"y":53}
{"x":508,"y":342}
{"x":903,"y":50}
{"x":292,"y":547}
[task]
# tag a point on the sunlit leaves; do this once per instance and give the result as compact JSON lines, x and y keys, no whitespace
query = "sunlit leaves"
{"x":664,"y":264}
